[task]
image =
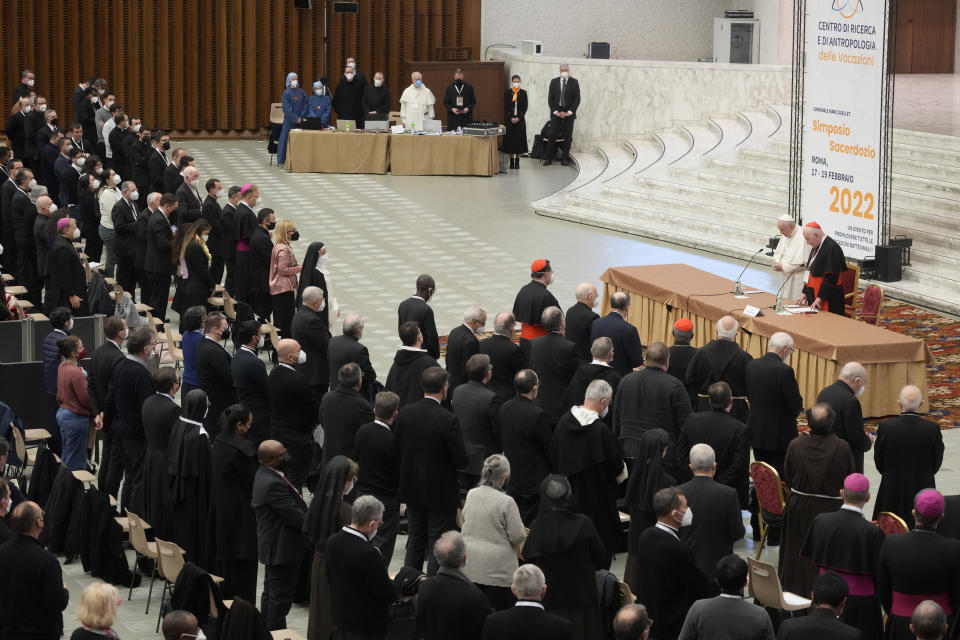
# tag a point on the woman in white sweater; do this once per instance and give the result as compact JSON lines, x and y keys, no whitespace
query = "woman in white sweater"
{"x":494,"y":532}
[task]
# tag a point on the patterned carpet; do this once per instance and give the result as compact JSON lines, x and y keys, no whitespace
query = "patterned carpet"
{"x":942,"y":335}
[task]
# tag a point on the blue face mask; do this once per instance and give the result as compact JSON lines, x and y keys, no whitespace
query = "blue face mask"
{"x":417,"y":83}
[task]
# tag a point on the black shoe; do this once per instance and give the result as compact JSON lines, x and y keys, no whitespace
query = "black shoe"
{"x":547,"y":162}
{"x":565,"y":162}
{"x":516,"y":163}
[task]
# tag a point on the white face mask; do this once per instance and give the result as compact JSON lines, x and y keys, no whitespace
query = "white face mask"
{"x":318,"y":92}
{"x":516,"y":85}
{"x":564,"y":75}
{"x":348,"y":76}
{"x":201,"y":635}
{"x":206,"y":237}
{"x":301,"y":357}
{"x":30,"y":83}
{"x":861,"y":390}
{"x":32,"y":185}
{"x":377,"y":83}
{"x":322,"y":263}
{"x":76,"y":233}
{"x":116,"y":179}
{"x":323,"y":305}
{"x":258,"y":202}
{"x":53,"y":208}
{"x":261,"y":342}
{"x":42,"y":107}
{"x":27,"y":109}
{"x":94,"y":99}
{"x":101,"y":91}
{"x":136,"y":128}
{"x":69,"y":325}
{"x":107,"y":105}
{"x":134,"y":196}
{"x":96,"y":184}
{"x":221,"y":193}
{"x":687,"y":518}
{"x":294,"y":83}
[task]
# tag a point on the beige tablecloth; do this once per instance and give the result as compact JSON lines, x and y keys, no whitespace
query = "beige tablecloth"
{"x":662,"y":294}
{"x":337,"y":152}
{"x":412,"y":155}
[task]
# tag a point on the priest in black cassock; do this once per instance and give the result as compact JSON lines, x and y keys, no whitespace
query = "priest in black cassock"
{"x":908,"y":453}
{"x":159,"y":413}
{"x":584,"y":450}
{"x":814,"y":469}
{"x":244,"y":222}
{"x":190,"y":481}
{"x":844,"y":396}
{"x":918,"y":565}
{"x":823,"y":289}
{"x":531,"y":301}
{"x":844,"y":542}
{"x":721,"y":359}
{"x":597,"y":369}
{"x":459,"y":101}
{"x":348,"y":97}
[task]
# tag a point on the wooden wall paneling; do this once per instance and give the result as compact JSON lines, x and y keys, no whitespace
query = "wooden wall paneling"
{"x":904,"y":31}
{"x":253,"y":81}
{"x":282,"y":49}
{"x":177,"y":43}
{"x":936,"y":20}
{"x":221,"y":79}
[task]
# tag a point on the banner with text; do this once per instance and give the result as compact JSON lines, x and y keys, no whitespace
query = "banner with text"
{"x":843,"y":120}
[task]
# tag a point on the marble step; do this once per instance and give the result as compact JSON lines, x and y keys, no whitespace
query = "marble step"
{"x":763,"y":158}
{"x":734,"y":129}
{"x":763,"y":122}
{"x":676,"y":143}
{"x":926,"y":170}
{"x":760,"y":173}
{"x":730,"y":184}
{"x":705,"y":137}
{"x":590,"y":163}
{"x":931,"y":140}
{"x":702,"y":195}
{"x":949,"y":192}
{"x":919,"y":153}
{"x":618,"y":156}
{"x":648,"y":150}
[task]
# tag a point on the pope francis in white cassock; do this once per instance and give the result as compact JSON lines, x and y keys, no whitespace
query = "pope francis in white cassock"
{"x":416,"y":103}
{"x":790,"y":257}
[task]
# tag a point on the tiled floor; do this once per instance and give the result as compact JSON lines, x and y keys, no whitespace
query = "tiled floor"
{"x":928,"y":103}
{"x":477,"y":237}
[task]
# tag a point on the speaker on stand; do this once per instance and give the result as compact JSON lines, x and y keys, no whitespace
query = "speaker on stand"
{"x":889,"y":262}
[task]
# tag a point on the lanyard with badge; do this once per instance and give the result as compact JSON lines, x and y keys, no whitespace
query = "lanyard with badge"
{"x":459,"y":95}
{"x":806,"y":273}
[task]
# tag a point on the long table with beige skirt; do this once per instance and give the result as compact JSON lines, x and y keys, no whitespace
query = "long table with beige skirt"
{"x":403,"y":154}
{"x":662,"y":294}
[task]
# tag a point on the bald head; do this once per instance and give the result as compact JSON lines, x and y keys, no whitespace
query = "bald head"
{"x":928,"y":622}
{"x":270,"y":451}
{"x":503,"y":324}
{"x":287,"y":350}
{"x":727,"y":328}
{"x":586,"y":293}
{"x":910,"y":398}
{"x":43,"y":205}
{"x":852,"y":371}
{"x":27,"y":519}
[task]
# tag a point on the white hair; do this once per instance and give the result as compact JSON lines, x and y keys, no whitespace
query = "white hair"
{"x":494,"y":468}
{"x":910,"y":398}
{"x":601,"y":348}
{"x":727,"y":328}
{"x":852,"y":370}
{"x":702,"y":458}
{"x":528,"y":581}
{"x":413,"y":76}
{"x":584,"y":290}
{"x":598,"y":390}
{"x":312,"y":294}
{"x":154,"y":198}
{"x":474,"y":314}
{"x":779,"y":341}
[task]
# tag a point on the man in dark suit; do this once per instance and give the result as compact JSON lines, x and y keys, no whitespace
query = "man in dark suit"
{"x":775,"y":402}
{"x":309,"y":329}
{"x":104,"y":359}
{"x":23,"y":213}
{"x":17,"y":129}
{"x":361,"y":591}
{"x":650,"y":399}
{"x":725,"y":434}
{"x":627,"y":350}
{"x":211,"y":210}
{"x":140,"y":258}
{"x":226,"y":235}
{"x":379,"y":469}
{"x":409,"y":363}
{"x":554,"y":358}
{"x":476,"y":407}
{"x":156,"y":160}
{"x":213,"y":369}
{"x":526,"y":432}
{"x":667,"y":580}
{"x":425,"y":431}
{"x":25,"y":88}
{"x":49,"y":156}
{"x":527,"y":620}
{"x":132,"y":384}
{"x":188,"y":195}
{"x":580,"y":317}
{"x":728,"y":615}
{"x":597,"y":369}
{"x":34,"y":595}
{"x":718,"y":523}
{"x":632,"y":623}
{"x":294,"y":411}
{"x":681,"y":353}
{"x":342,"y":412}
{"x":506,"y":357}
{"x":249,"y":375}
{"x":843,"y":395}
{"x":416,"y":309}
{"x":449,"y":605}
{"x":124,"y":217}
{"x":564,"y":100}
{"x":280,"y":512}
{"x":459,"y":100}
{"x":829,"y":596}
{"x":158,"y":264}
{"x":462,"y":343}
{"x":173,"y":172}
{"x":908,"y":453}
{"x":348,"y":348}
{"x":720,"y":359}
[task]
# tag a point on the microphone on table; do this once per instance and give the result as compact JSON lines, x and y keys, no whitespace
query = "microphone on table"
{"x":779,"y":306}
{"x":738,"y":288}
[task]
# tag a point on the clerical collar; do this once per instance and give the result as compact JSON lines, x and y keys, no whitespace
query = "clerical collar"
{"x":287,"y":365}
{"x":600,"y":362}
{"x":418,"y":298}
{"x":732,"y":596}
{"x":383,"y":424}
{"x":406,"y":348}
{"x":432,"y":398}
{"x":246,"y":348}
{"x":355,"y":532}
{"x":665,"y":527}
{"x":850,"y":507}
{"x":528,"y":603}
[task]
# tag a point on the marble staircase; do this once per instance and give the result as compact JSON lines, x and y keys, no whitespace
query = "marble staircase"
{"x":719,"y":185}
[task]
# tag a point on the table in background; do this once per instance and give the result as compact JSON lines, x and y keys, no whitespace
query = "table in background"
{"x":337,"y":152}
{"x":662,"y":294}
{"x":421,"y":155}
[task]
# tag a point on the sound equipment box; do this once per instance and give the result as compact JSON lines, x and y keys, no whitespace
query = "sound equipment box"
{"x":345,"y":7}
{"x":889,"y":262}
{"x":303,"y":4}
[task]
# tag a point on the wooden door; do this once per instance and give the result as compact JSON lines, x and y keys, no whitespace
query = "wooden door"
{"x":926,"y":33}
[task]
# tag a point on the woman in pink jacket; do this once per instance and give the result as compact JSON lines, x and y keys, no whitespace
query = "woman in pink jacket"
{"x":283,"y":275}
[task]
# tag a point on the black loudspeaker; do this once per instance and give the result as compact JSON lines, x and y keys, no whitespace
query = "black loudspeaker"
{"x":345,"y":7}
{"x":889,"y":262}
{"x":303,"y":4}
{"x":598,"y":50}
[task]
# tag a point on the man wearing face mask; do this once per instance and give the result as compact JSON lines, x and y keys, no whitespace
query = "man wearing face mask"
{"x":584,"y":450}
{"x":229,"y":245}
{"x":416,"y":103}
{"x":25,"y":87}
{"x":101,"y":116}
{"x":844,"y":396}
{"x":188,"y":195}
{"x":244,"y":222}
{"x":250,"y":378}
{"x":361,"y":591}
{"x":348,"y":97}
{"x":17,"y":128}
{"x":159,"y":264}
{"x":564,"y":100}
{"x":293,"y":409}
{"x":35,"y":123}
{"x":459,"y":100}
{"x":214,"y":373}
{"x":313,"y":334}
{"x":143,"y":222}
{"x":280,"y":512}
{"x":294,"y":103}
{"x":525,"y":433}
{"x":102,"y":363}
{"x":156,"y":161}
{"x":68,"y":279}
{"x":360,"y":75}
{"x":668,"y":581}
{"x":87,"y":116}
{"x":211,"y":213}
{"x":124,"y":217}
{"x":132,"y":384}
{"x":261,"y":250}
{"x":23,"y":213}
{"x":342,"y":412}
{"x":45,"y":209}
{"x":376,"y":97}
{"x":173,"y":172}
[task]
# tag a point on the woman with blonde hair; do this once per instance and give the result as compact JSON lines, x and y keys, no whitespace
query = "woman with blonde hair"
{"x":195,"y":284}
{"x":493,"y":531}
{"x":97,"y":612}
{"x":283,"y":275}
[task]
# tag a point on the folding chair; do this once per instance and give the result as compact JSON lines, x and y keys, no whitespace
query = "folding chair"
{"x":143,"y":548}
{"x":766,"y":589}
